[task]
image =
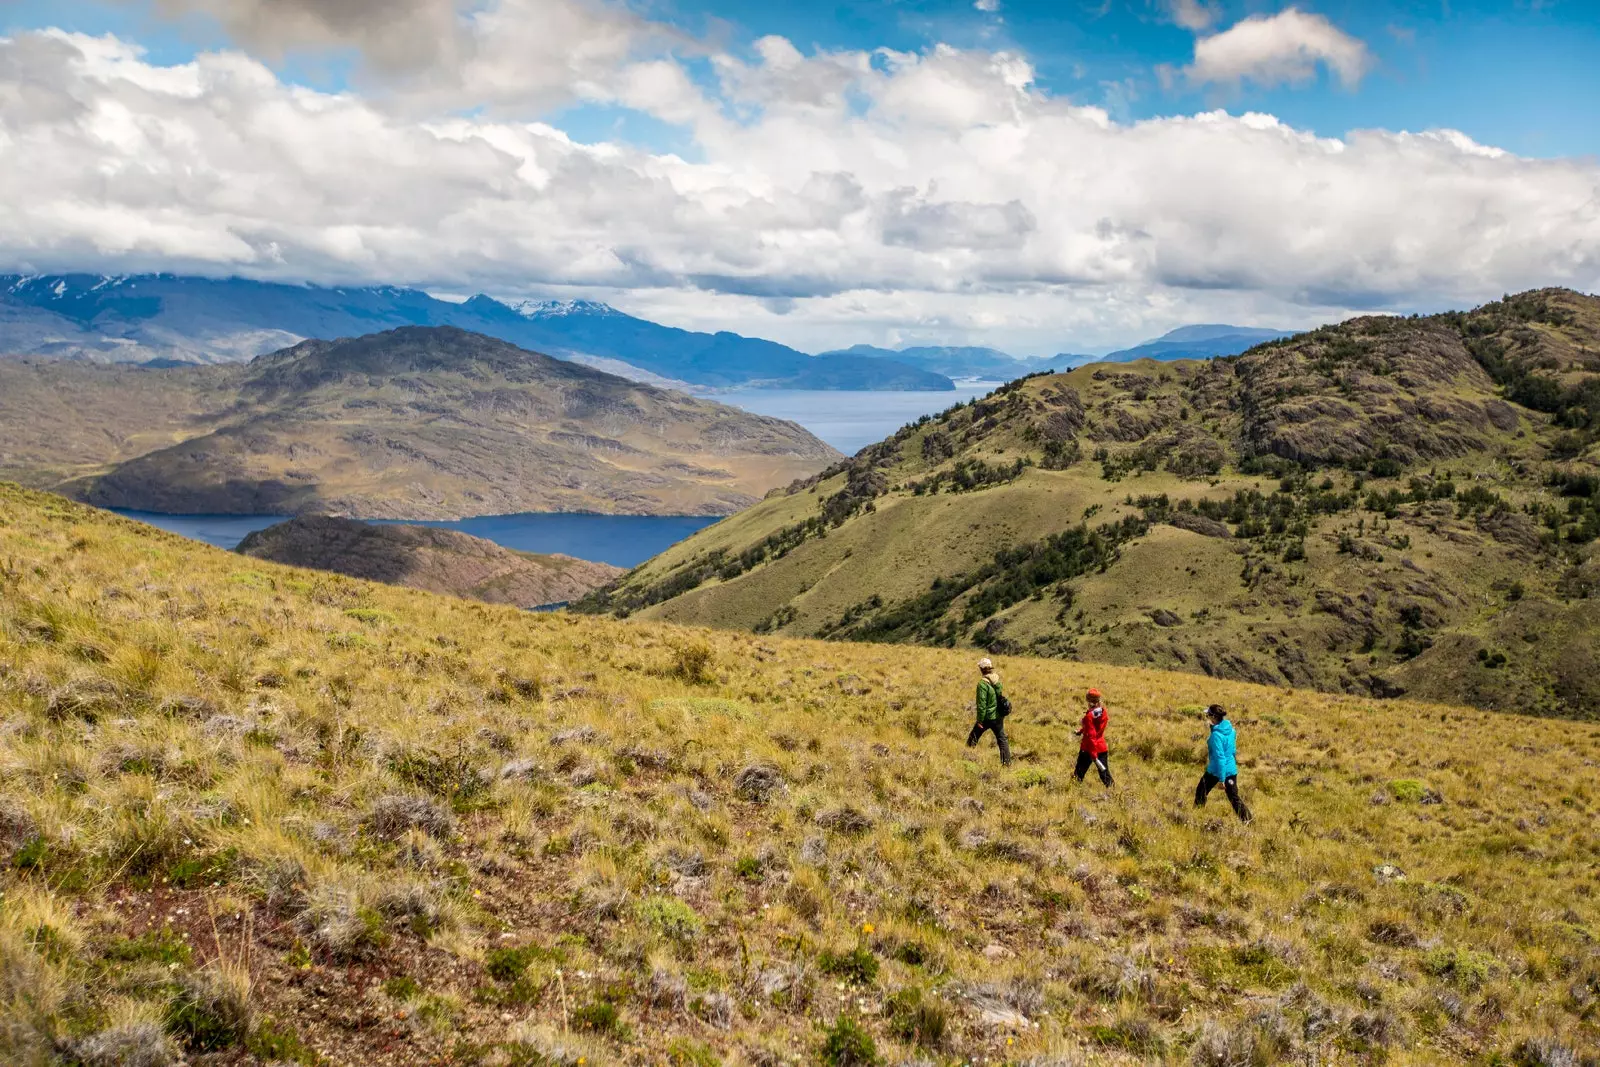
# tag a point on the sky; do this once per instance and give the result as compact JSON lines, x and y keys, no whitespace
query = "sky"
{"x":1034,"y":176}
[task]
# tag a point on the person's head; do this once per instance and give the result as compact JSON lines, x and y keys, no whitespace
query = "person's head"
{"x":986,"y":666}
{"x":1093,"y":697}
{"x":1216,"y":713}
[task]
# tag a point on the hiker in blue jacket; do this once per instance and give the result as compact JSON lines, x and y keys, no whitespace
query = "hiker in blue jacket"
{"x":1222,"y":764}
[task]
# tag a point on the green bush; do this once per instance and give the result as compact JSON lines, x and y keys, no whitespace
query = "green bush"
{"x":670,"y":917}
{"x":509,"y":964}
{"x":1029,"y":777}
{"x":858,"y":966}
{"x":1407,"y":790}
{"x":846,"y":1044}
{"x":1466,"y":968}
{"x":601,"y":1017}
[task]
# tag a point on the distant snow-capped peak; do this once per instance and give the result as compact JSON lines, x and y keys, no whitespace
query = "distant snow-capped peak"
{"x":555,"y":309}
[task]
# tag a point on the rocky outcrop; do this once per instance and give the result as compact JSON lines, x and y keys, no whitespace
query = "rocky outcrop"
{"x":422,"y":557}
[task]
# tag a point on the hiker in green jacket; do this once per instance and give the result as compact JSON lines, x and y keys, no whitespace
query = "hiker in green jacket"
{"x":992,"y":709}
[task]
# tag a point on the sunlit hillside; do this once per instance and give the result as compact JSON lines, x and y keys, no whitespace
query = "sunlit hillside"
{"x":250,"y":814}
{"x":1388,"y":507}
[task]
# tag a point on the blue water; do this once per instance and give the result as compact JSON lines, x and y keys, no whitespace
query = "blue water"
{"x":849,"y":421}
{"x":622,"y":540}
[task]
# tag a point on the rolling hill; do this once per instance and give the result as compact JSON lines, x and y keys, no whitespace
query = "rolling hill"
{"x":250,"y":813}
{"x":165,"y":318}
{"x":423,"y":557}
{"x":415,"y":423}
{"x":1382,"y":507}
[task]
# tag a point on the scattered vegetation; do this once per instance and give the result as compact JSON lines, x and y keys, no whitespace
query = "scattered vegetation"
{"x":229,"y":835}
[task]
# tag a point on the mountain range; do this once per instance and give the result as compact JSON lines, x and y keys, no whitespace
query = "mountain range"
{"x":1186,"y":342}
{"x":413,"y":423}
{"x":1386,"y":506}
{"x":169,"y":318}
{"x":1193,"y":342}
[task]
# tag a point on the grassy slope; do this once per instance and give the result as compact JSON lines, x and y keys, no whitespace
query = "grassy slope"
{"x":1493,"y":578}
{"x":310,"y":816}
{"x":415,"y":423}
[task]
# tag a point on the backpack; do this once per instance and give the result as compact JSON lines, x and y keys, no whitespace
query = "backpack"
{"x":1002,"y":704}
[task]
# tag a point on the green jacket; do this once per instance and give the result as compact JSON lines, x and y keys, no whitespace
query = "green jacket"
{"x":988,"y":700}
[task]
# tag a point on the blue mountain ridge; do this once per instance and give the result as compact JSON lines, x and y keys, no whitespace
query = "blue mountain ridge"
{"x":165,"y":317}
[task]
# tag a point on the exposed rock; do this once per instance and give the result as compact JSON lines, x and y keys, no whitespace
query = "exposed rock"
{"x":1187,"y":520}
{"x":1388,"y":872}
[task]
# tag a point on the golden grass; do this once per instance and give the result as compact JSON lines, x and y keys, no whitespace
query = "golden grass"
{"x":417,"y":829}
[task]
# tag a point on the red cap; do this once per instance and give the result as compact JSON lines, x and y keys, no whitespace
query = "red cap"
{"x":1094,"y":694}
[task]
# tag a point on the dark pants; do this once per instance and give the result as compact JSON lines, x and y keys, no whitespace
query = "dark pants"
{"x":1230,"y":785}
{"x":999,"y":728}
{"x":1101,"y":763}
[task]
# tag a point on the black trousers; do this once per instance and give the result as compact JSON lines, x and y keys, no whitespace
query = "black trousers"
{"x":1230,"y":785}
{"x":1101,"y":763}
{"x":999,"y":728}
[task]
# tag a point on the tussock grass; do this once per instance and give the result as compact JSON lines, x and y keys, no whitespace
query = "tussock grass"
{"x":296,"y":817}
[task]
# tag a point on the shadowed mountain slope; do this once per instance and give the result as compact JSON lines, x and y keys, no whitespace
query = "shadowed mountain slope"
{"x":422,"y":557}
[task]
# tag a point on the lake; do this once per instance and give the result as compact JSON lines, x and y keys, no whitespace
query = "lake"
{"x":849,"y":421}
{"x":621,"y":540}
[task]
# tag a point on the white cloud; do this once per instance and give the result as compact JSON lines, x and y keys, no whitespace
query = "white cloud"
{"x":987,"y":6}
{"x":515,"y":54}
{"x":1285,"y":48}
{"x":1193,"y":15}
{"x":834,"y":197}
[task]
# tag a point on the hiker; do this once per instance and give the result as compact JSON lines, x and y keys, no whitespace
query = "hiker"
{"x":993,"y":707}
{"x":1092,"y":748}
{"x":1222,"y":764}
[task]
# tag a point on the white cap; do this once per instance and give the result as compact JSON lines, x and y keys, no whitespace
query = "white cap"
{"x":985,"y":664}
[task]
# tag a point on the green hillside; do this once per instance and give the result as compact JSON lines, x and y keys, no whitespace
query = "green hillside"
{"x":1382,"y":507}
{"x":255,"y":814}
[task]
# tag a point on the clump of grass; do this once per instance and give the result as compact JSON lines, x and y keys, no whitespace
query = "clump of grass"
{"x":209,"y":1011}
{"x":691,"y":661}
{"x":917,"y":1019}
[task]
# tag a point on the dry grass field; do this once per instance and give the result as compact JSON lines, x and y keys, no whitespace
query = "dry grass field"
{"x":255,"y":814}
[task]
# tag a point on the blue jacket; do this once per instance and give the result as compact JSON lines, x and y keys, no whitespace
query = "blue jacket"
{"x":1221,"y":755}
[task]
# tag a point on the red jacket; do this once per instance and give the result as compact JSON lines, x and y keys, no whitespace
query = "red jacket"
{"x":1094,"y":731}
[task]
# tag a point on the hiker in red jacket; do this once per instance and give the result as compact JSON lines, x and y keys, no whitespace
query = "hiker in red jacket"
{"x":1092,"y":749}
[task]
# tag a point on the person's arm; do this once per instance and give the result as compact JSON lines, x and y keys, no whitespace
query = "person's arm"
{"x":985,"y":700}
